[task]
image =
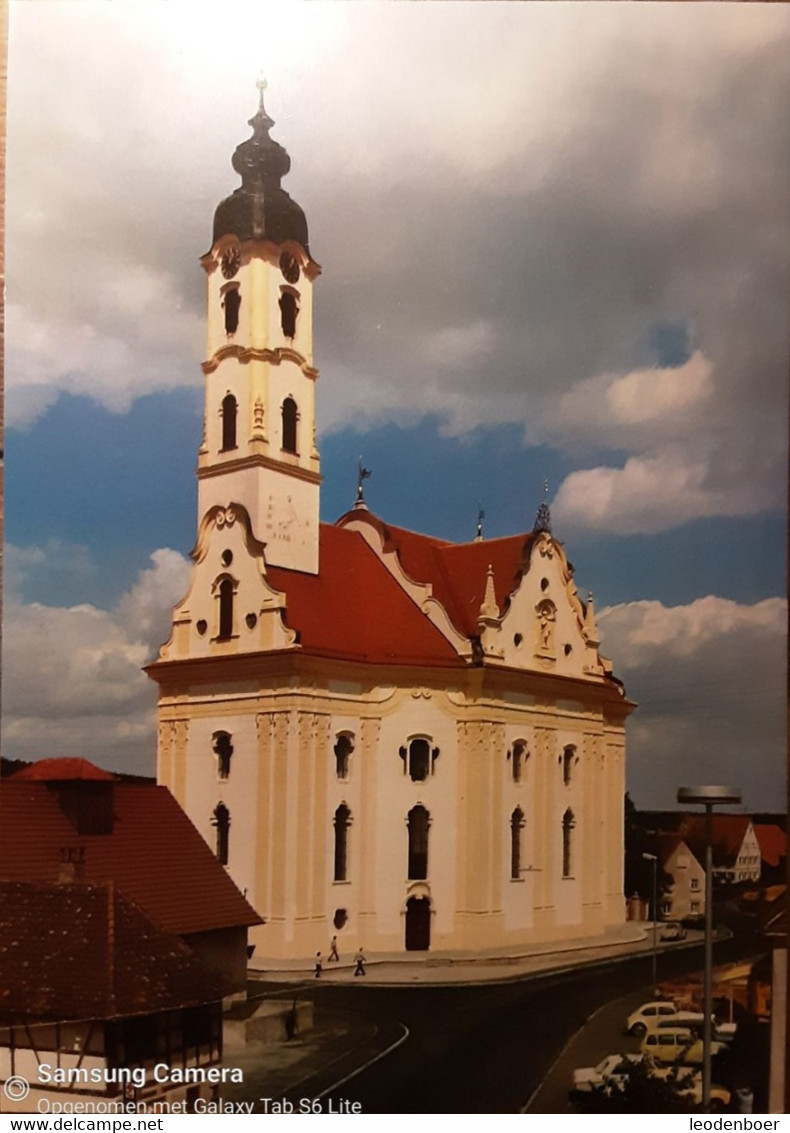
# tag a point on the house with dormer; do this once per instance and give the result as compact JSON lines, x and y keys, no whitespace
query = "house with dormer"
{"x":408,"y":743}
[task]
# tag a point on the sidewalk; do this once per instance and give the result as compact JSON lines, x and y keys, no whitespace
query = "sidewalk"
{"x":436,"y":969}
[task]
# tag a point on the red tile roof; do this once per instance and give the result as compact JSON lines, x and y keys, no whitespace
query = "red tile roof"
{"x":154,"y":854}
{"x":457,"y":571}
{"x":773,"y":842}
{"x":354,"y":609}
{"x":729,"y":831}
{"x":53,"y":936}
{"x":62,"y":768}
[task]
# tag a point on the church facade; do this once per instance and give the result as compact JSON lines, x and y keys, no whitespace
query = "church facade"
{"x":408,"y":743}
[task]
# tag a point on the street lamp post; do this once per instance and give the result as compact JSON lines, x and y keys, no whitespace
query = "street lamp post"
{"x":654,"y":859}
{"x":709,"y":797}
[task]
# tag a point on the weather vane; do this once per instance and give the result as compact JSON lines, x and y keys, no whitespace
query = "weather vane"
{"x":362,"y":476}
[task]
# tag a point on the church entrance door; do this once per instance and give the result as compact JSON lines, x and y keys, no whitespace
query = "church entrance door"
{"x":418,"y":924}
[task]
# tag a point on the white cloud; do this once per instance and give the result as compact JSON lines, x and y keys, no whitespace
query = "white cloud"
{"x":506,"y":202}
{"x":73,"y":680}
{"x":709,"y":679}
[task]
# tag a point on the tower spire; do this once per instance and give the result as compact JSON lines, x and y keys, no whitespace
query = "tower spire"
{"x":260,"y":209}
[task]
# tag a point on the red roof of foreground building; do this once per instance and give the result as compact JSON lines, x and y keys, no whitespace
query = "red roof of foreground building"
{"x":63,"y":768}
{"x":151,"y":851}
{"x":354,"y":609}
{"x":84,"y":952}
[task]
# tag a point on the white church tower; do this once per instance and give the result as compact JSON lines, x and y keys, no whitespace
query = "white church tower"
{"x":259,"y":432}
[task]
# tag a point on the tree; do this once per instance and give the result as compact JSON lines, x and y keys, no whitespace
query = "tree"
{"x":638,"y":874}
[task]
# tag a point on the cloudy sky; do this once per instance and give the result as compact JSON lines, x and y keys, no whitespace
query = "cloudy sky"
{"x":555,"y":245}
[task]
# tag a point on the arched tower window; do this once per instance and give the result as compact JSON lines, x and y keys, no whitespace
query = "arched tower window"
{"x":343,"y":749}
{"x":342,"y":823}
{"x":568,"y":824}
{"x":516,"y":827}
{"x":418,"y":822}
{"x":221,"y":821}
{"x":225,"y":609}
{"x":223,"y":749}
{"x":231,"y":301}
{"x":289,"y":309}
{"x":518,"y":760}
{"x":568,"y":760}
{"x":229,"y":411}
{"x":290,"y":417}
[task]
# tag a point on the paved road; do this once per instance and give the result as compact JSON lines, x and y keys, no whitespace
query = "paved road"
{"x":602,"y":1035}
{"x":472,"y":1049}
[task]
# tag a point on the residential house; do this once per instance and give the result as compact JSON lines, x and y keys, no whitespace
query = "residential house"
{"x":66,"y":821}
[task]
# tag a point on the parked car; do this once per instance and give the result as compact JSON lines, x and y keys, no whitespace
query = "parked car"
{"x":677,"y":1044}
{"x":648,"y":1015}
{"x":612,"y":1070}
{"x":673,"y":931}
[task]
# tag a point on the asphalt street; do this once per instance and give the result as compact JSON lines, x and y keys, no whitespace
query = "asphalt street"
{"x":467,"y":1049}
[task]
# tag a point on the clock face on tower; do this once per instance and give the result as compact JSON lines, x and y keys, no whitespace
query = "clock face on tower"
{"x":289,"y":267}
{"x":230,"y":262}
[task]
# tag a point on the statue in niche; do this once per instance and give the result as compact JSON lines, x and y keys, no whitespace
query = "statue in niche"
{"x":546,"y":618}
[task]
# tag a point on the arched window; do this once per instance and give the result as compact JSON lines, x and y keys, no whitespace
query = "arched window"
{"x":418,"y":821}
{"x":223,"y":749}
{"x":568,"y":760}
{"x":229,"y":410}
{"x":419,"y":759}
{"x":516,"y":826}
{"x":568,"y":823}
{"x":221,"y":821}
{"x":343,"y":749}
{"x":290,"y":417}
{"x":231,"y":302}
{"x":289,"y":309}
{"x":518,"y":760}
{"x":342,"y":823}
{"x":225,"y":609}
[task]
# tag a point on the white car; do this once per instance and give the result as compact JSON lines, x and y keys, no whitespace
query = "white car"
{"x":649,"y":1015}
{"x":612,"y":1070}
{"x":677,"y":1044}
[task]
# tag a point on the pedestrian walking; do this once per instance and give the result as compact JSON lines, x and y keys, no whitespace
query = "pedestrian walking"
{"x":360,"y":961}
{"x":333,"y":954}
{"x":319,"y":965}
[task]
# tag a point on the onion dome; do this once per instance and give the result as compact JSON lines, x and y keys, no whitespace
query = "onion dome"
{"x":261,"y":209}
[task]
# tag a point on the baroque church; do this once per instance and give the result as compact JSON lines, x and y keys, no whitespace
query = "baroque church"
{"x":408,"y":743}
